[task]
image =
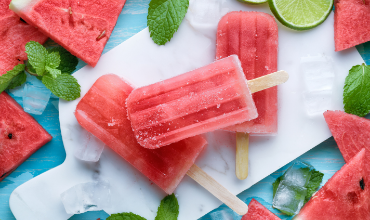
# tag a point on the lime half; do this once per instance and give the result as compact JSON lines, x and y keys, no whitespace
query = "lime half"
{"x":255,"y":2}
{"x":301,"y":14}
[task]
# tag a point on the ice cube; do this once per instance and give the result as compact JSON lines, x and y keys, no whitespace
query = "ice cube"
{"x":224,"y":214}
{"x":35,"y":97}
{"x":317,"y":102}
{"x":18,"y":91}
{"x":90,"y":150}
{"x":90,"y":196}
{"x":318,"y":72}
{"x":205,"y":11}
{"x":289,"y":197}
{"x":299,"y":173}
{"x":55,"y":104}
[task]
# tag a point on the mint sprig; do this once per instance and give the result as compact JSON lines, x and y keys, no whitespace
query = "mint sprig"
{"x":125,"y":216}
{"x":167,"y":210}
{"x":356,"y":94}
{"x":164,"y":18}
{"x":51,"y":66}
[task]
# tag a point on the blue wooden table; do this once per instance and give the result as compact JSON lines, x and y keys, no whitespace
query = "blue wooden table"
{"x":324,"y":157}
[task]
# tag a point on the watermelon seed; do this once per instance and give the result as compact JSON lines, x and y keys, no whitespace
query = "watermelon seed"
{"x":101,"y":35}
{"x":362,"y":184}
{"x":10,"y":136}
{"x":23,"y":20}
{"x":3,"y":175}
{"x":70,"y":10}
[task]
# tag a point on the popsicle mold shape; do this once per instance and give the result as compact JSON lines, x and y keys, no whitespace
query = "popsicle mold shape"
{"x":206,"y":99}
{"x":102,"y":112}
{"x":253,"y":36}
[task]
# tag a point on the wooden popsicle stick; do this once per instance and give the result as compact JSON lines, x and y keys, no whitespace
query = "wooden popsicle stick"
{"x":242,"y":149}
{"x":217,"y":190}
{"x":267,"y":81}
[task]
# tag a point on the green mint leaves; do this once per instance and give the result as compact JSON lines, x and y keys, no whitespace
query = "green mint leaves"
{"x":167,"y":210}
{"x":52,"y":66}
{"x":313,"y":184}
{"x":13,"y":78}
{"x":164,"y":18}
{"x":356,"y":94}
{"x":125,"y":216}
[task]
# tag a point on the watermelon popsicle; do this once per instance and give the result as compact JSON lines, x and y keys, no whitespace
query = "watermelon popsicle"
{"x":253,"y":36}
{"x":206,"y":99}
{"x":102,"y":111}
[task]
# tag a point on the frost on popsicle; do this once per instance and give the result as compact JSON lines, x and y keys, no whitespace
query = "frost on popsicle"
{"x":90,"y":196}
{"x":317,"y":74}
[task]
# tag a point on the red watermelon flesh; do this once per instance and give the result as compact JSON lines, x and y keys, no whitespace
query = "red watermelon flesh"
{"x":102,"y":111}
{"x":346,"y":196}
{"x":83,"y":27}
{"x":256,"y":211}
{"x":20,"y":135}
{"x":351,"y":23}
{"x":14,"y":34}
{"x":352,"y":133}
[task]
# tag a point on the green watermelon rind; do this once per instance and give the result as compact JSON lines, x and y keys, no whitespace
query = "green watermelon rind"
{"x":295,"y":27}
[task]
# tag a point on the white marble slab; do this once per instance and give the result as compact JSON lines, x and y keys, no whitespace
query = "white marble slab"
{"x":141,"y":62}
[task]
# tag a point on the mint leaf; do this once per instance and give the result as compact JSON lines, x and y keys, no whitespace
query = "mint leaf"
{"x":52,"y":60}
{"x":164,"y":18}
{"x":275,"y":185}
{"x":53,"y":72}
{"x":6,"y":80}
{"x":313,"y":184}
{"x":125,"y":216}
{"x":168,"y":209}
{"x":18,"y":80}
{"x":36,"y":54}
{"x":64,"y":86}
{"x":68,"y":62}
{"x":356,"y":94}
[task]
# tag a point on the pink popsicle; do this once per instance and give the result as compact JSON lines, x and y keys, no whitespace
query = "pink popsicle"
{"x":209,"y":98}
{"x":253,"y":36}
{"x":102,"y":112}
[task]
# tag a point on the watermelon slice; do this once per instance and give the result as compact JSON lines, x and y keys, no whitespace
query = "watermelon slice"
{"x":14,"y":34}
{"x":351,"y":23}
{"x":83,"y":27}
{"x":256,"y":211}
{"x":352,"y":133}
{"x":20,"y":135}
{"x":345,"y":196}
{"x":102,"y":111}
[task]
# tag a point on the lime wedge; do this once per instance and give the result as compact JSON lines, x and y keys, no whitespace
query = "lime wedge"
{"x":255,"y":2}
{"x":301,"y":14}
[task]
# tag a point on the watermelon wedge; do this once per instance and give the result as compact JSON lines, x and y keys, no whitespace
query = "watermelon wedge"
{"x":352,"y":133}
{"x":256,"y":211}
{"x":20,"y":135}
{"x":102,"y":111}
{"x":14,"y":34}
{"x":346,"y":196}
{"x":351,"y":23}
{"x":83,"y":27}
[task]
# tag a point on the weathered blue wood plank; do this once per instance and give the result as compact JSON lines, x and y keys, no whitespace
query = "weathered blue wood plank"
{"x":325,"y":157}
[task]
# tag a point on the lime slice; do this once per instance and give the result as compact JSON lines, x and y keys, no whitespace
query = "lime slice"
{"x":301,"y":14}
{"x":255,"y":2}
